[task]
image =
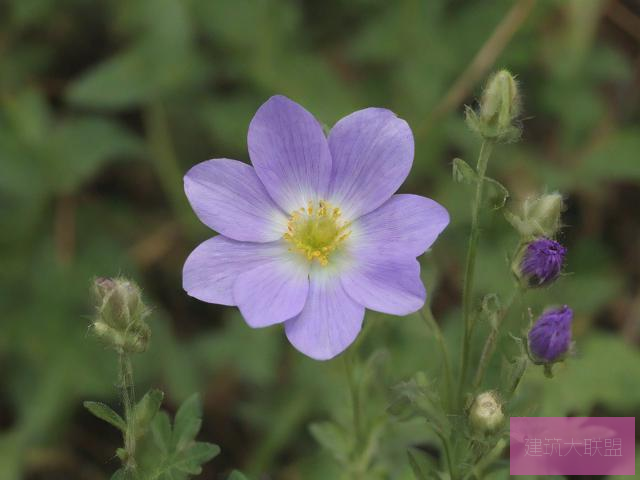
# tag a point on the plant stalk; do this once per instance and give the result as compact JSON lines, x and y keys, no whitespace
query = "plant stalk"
{"x":447,"y":454}
{"x":490,"y":343}
{"x":358,"y":433}
{"x":437,"y":332}
{"x":128,"y":400}
{"x":467,"y":293}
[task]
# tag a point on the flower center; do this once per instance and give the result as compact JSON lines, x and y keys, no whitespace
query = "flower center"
{"x":317,"y":231}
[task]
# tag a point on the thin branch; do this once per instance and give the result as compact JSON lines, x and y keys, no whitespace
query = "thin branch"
{"x":481,"y":63}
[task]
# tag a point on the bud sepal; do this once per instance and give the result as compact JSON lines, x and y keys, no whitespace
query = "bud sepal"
{"x":496,"y":118}
{"x":120,"y":315}
{"x":541,"y":217}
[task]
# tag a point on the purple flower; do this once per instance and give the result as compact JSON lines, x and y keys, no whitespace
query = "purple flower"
{"x":542,"y":261}
{"x":313,"y":234}
{"x":550,"y":337}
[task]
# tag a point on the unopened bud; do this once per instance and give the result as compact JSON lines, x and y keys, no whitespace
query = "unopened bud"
{"x":120,"y":314}
{"x":544,"y":214}
{"x":550,"y":337}
{"x":539,"y":262}
{"x":541,"y":217}
{"x":499,"y":109}
{"x":486,"y":413}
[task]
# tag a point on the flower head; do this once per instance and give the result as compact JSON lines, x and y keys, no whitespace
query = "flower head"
{"x":499,"y":109}
{"x":541,"y":262}
{"x":312,"y":233}
{"x":486,"y":412}
{"x":550,"y":337}
{"x":120,"y":314}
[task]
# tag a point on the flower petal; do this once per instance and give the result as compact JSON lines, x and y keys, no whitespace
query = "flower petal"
{"x":228,"y":197}
{"x":372,"y":153}
{"x":330,"y":320}
{"x":406,"y":225}
{"x":388,"y":286}
{"x":289,"y":152}
{"x":211,"y":270}
{"x":273,"y":292}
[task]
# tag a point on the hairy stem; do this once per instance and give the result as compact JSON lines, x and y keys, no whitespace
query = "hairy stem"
{"x":490,"y":342}
{"x":467,"y":293}
{"x":128,"y":400}
{"x":518,"y":378}
{"x":354,"y":391}
{"x":447,"y":453}
{"x":437,"y":332}
{"x":358,"y":433}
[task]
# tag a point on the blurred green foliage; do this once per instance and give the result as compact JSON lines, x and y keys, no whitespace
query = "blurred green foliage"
{"x":105,"y":104}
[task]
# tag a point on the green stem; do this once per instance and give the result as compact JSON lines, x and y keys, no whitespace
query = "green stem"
{"x":128,"y":400}
{"x":354,"y":391}
{"x":165,"y":161}
{"x":490,"y":343}
{"x":467,"y":293}
{"x":437,"y":332}
{"x":447,"y":454}
{"x":518,"y":378}
{"x":358,"y":470}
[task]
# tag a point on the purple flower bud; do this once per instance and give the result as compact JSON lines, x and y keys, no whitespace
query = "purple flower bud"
{"x":542,"y":262}
{"x":550,"y":337}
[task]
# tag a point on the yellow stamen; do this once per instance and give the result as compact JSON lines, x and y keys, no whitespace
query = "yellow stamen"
{"x":316,"y":231}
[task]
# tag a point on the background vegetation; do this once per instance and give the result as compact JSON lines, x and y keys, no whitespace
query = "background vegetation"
{"x":105,"y":104}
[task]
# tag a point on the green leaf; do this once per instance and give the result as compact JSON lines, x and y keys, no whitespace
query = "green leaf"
{"x":104,"y":412}
{"x":187,"y":422}
{"x":146,"y":410}
{"x":420,"y":464}
{"x":160,"y":61}
{"x":237,"y":475}
{"x":516,"y":222}
{"x":122,"y":81}
{"x":498,"y":193}
{"x":120,"y":474}
{"x":190,"y":459}
{"x":174,"y":453}
{"x":333,"y":438}
{"x":81,"y":146}
{"x":601,"y":374}
{"x":161,"y":429}
{"x":124,"y":474}
{"x":417,"y":397}
{"x":463,"y":172}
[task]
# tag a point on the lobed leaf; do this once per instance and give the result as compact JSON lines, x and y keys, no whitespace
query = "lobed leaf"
{"x":146,"y":410}
{"x":104,"y":412}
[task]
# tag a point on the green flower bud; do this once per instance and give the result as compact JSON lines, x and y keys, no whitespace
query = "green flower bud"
{"x":499,"y":108}
{"x":544,"y":214}
{"x":541,"y":217}
{"x":120,"y":315}
{"x":486,"y":414}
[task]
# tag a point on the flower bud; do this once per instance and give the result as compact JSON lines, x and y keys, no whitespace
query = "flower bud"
{"x":550,"y":336}
{"x":499,"y":109}
{"x":540,"y":262}
{"x":541,"y":217}
{"x":544,"y":214}
{"x":120,"y":314}
{"x":486,"y":414}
